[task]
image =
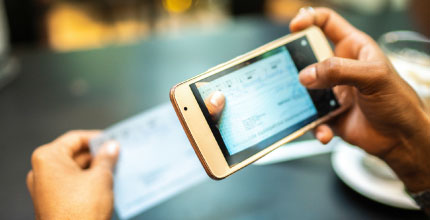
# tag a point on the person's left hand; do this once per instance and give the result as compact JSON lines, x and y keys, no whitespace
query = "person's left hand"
{"x":215,"y":104}
{"x":67,"y":183}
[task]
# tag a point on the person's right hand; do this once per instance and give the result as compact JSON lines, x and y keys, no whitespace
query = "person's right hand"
{"x":386,"y":119}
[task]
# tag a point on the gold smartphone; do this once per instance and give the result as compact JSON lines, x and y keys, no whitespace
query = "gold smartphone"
{"x":265,"y":104}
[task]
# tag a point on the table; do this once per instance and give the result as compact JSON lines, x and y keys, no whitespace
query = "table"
{"x":56,"y":92}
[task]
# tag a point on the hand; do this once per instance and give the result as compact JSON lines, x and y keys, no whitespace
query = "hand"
{"x":387,"y":119}
{"x":67,"y":183}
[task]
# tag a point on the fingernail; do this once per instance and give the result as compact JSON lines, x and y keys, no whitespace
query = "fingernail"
{"x":300,"y":15}
{"x":302,"y":10}
{"x":216,"y":99}
{"x":111,"y":147}
{"x":308,"y":75}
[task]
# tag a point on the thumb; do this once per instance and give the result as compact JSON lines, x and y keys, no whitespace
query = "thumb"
{"x":367,"y":77}
{"x":215,"y":104}
{"x":106,"y":156}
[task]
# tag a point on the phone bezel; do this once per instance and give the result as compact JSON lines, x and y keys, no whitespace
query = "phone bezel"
{"x":198,"y":130}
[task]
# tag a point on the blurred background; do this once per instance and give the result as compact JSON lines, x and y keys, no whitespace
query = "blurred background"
{"x":66,"y":25}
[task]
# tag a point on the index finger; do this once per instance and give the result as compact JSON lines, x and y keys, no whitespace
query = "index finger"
{"x":75,"y":141}
{"x":331,"y":23}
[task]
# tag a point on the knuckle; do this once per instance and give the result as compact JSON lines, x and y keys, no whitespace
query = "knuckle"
{"x":331,"y":69}
{"x":39,"y":155}
{"x":382,"y":72}
{"x":327,"y":11}
{"x":365,"y":38}
{"x":334,"y":64}
{"x":377,"y":78}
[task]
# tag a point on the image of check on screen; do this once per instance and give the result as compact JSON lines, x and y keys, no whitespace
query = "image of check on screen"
{"x":241,"y":110}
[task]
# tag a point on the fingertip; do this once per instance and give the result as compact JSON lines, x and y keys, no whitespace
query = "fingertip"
{"x":108,"y":154}
{"x":293,"y":24}
{"x":215,"y":104}
{"x":112,"y":148}
{"x":217,"y":100}
{"x":324,"y":134}
{"x":322,"y":138}
{"x":301,"y":21}
{"x":308,"y":76}
{"x":296,"y":24}
{"x":319,"y":136}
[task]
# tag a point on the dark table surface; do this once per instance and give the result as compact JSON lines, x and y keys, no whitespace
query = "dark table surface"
{"x":56,"y":92}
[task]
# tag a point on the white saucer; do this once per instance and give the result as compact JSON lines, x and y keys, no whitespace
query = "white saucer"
{"x":347,"y":163}
{"x":297,"y":150}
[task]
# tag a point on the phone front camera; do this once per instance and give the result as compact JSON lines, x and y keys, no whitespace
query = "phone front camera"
{"x":185,"y":108}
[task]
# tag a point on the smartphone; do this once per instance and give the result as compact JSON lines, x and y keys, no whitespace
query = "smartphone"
{"x":265,"y":104}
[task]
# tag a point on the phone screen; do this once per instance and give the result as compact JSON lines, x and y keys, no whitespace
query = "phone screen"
{"x":264,"y":100}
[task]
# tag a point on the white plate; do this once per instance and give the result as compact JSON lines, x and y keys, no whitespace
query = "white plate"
{"x":347,"y":163}
{"x":297,"y":150}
